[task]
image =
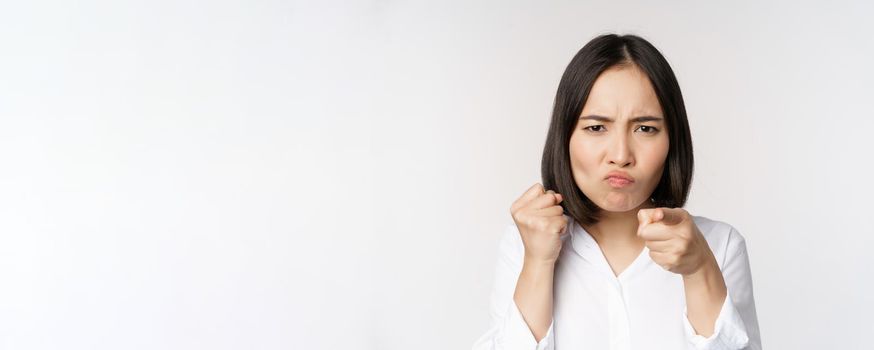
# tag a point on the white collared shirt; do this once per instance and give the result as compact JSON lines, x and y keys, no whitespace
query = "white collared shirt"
{"x":643,"y":308}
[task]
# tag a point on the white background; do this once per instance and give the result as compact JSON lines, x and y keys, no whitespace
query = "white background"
{"x":289,"y":175}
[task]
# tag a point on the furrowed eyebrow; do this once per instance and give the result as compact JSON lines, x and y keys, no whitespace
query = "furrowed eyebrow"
{"x":599,"y":118}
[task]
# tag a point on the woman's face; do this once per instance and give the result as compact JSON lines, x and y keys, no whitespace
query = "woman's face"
{"x":610,"y":136}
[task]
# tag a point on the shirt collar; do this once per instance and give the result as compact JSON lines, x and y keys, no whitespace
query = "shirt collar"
{"x":586,"y":247}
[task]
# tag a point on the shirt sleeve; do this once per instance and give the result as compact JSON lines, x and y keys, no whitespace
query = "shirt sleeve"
{"x":736,"y":325}
{"x":508,"y":329}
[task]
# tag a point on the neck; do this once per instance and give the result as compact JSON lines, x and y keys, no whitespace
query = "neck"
{"x":617,"y":227}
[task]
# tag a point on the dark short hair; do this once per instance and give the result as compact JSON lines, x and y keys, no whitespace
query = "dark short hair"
{"x":603,"y":52}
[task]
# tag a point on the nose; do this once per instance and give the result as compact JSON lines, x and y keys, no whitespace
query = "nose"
{"x":619,"y":152}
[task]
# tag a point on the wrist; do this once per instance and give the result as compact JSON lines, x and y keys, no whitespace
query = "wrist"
{"x":707,"y":264}
{"x":708,"y":276}
{"x":538,"y":263}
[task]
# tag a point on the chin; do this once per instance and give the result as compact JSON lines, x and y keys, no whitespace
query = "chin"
{"x":619,"y":204}
{"x":615,"y":209}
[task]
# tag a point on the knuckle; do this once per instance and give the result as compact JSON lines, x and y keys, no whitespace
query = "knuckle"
{"x":531,"y":222}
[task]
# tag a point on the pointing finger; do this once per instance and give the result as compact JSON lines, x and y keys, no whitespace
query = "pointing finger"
{"x":669,"y":216}
{"x":655,"y":233}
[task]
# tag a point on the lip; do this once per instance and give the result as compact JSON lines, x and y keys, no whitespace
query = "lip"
{"x":619,"y":179}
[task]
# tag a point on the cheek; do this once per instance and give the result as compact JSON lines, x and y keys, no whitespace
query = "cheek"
{"x":653,"y":158}
{"x":583,"y":159}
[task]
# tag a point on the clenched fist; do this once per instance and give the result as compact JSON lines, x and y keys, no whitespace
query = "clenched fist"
{"x":541,"y":223}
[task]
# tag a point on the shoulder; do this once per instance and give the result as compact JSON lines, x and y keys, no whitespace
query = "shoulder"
{"x":724,"y":239}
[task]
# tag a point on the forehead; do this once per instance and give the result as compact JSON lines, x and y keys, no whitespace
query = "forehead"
{"x":621,"y":92}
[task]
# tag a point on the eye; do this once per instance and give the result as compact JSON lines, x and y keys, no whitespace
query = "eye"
{"x":600,"y":127}
{"x":648,"y":129}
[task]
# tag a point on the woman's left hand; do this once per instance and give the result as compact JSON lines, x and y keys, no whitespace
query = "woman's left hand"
{"x":673,"y":239}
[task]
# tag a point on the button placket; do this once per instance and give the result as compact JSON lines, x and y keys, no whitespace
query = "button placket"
{"x":618,"y":317}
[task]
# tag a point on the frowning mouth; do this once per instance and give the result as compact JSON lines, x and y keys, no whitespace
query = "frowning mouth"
{"x":619,"y":182}
{"x":619,"y":179}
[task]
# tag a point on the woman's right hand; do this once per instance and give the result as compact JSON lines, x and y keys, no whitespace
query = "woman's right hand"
{"x":541,"y":223}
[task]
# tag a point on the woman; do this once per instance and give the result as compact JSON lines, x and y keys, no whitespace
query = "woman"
{"x":602,"y":255}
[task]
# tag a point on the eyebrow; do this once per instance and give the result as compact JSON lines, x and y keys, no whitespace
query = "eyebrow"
{"x":599,"y":118}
